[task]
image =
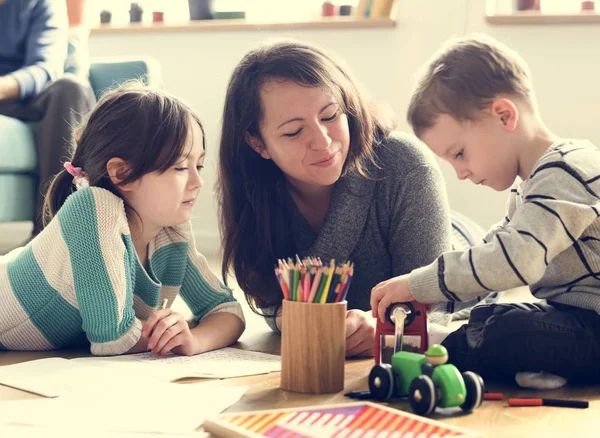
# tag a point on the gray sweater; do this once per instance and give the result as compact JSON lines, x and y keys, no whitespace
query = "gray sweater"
{"x":388,"y":225}
{"x":549,"y":239}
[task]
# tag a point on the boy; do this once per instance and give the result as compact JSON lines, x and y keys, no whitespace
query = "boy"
{"x":474,"y":106}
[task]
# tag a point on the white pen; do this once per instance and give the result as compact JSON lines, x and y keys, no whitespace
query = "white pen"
{"x":164,"y":303}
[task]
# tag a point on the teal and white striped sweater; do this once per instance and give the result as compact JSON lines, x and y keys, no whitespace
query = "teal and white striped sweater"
{"x":81,"y":277}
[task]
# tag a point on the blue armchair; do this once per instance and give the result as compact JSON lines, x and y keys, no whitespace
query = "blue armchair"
{"x":18,"y":158}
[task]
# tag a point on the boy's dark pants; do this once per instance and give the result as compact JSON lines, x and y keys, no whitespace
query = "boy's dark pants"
{"x":503,"y":339}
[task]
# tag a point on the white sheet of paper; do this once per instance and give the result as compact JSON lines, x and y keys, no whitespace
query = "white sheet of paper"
{"x":34,"y":376}
{"x":54,"y":377}
{"x":22,"y":431}
{"x":127,"y":364}
{"x":157,"y":408}
{"x":223,"y":363}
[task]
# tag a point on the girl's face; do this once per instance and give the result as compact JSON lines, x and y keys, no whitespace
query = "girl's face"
{"x":304,"y":132}
{"x":166,"y":199}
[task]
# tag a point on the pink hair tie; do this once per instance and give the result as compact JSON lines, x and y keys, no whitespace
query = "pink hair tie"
{"x":79,"y":178}
{"x":75,"y":171}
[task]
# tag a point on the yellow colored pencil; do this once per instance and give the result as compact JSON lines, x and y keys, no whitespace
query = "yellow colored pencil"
{"x":326,"y":288}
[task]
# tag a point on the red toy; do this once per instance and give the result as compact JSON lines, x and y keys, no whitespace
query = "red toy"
{"x":415,"y":324}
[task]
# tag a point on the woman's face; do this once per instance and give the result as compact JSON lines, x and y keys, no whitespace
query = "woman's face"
{"x":304,"y":132}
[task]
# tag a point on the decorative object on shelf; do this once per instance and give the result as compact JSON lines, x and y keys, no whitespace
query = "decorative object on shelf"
{"x":328,"y":9}
{"x":76,"y":10}
{"x":230,"y":15}
{"x":345,"y":10}
{"x":105,"y":17}
{"x":588,"y":6}
{"x":201,"y":9}
{"x":528,"y":5}
{"x":158,"y":17}
{"x":135,"y":13}
{"x":363,"y":9}
{"x":373,"y":8}
{"x":381,"y":8}
{"x":232,"y":9}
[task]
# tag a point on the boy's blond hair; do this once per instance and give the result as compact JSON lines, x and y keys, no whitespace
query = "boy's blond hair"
{"x":464,"y":77}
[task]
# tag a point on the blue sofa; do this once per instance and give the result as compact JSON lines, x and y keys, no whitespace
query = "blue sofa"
{"x":18,"y":158}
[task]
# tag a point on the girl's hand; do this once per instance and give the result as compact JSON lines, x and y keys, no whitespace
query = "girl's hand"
{"x":169,"y":331}
{"x":360,"y":333}
{"x":394,"y":290}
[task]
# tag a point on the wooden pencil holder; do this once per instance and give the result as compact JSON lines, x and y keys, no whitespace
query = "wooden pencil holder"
{"x":313,"y":347}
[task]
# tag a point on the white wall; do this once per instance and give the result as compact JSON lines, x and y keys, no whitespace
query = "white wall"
{"x":563,"y":59}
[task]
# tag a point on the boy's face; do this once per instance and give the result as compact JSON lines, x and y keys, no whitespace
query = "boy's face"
{"x":480,"y":151}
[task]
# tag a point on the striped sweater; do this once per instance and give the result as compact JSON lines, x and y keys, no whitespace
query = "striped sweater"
{"x":81,"y":278}
{"x":549,"y":239}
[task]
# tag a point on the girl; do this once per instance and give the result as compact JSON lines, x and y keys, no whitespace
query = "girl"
{"x":119,"y":247}
{"x":308,"y":167}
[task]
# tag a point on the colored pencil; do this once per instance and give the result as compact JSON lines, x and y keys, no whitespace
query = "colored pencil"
{"x":306,"y":285}
{"x":308,"y":280}
{"x":533,"y":401}
{"x":322,"y":285}
{"x":315,"y":286}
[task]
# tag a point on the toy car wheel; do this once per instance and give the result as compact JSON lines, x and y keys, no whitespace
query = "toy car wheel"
{"x":381,"y":381}
{"x":421,"y":395}
{"x":475,"y":389}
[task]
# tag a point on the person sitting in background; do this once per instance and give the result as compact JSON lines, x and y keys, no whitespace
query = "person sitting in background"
{"x":33,"y":50}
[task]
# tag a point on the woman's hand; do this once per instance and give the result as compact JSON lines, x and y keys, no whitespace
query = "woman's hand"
{"x":360,"y":333}
{"x":169,"y":331}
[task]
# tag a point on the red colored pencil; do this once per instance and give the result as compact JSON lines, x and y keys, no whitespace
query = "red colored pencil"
{"x":521,"y":402}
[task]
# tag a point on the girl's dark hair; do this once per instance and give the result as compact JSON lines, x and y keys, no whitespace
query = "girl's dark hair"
{"x":253,"y":237}
{"x":146,"y":128}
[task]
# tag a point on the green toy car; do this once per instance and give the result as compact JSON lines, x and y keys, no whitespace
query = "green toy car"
{"x":427,"y":380}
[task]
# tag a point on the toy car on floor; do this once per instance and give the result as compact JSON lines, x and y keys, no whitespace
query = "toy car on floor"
{"x":427,"y":380}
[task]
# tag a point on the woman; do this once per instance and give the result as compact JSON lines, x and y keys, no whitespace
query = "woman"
{"x":308,"y":167}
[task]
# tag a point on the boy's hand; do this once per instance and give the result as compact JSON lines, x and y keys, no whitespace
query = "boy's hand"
{"x":360,"y":334}
{"x":394,"y":290}
{"x":169,"y":331}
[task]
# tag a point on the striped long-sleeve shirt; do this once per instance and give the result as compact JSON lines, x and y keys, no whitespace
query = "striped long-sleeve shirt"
{"x":81,"y":278}
{"x":549,"y":239}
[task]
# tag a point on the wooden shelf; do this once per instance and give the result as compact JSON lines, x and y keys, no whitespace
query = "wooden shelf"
{"x":242,"y":24}
{"x":537,"y":17}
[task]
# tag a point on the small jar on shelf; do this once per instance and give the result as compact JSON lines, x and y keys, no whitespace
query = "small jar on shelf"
{"x":328,"y":9}
{"x":528,"y":5}
{"x":587,"y":6}
{"x":136,"y":12}
{"x":105,"y":16}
